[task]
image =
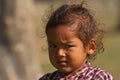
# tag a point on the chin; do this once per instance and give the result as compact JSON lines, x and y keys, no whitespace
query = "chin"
{"x":67,"y":71}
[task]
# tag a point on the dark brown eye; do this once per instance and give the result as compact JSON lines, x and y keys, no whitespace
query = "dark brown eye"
{"x":69,"y":46}
{"x":52,"y":46}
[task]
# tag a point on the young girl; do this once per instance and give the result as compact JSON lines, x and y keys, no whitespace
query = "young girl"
{"x":73,"y":39}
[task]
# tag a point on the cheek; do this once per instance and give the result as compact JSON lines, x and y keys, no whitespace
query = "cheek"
{"x":51,"y":58}
{"x":77,"y":54}
{"x":52,"y":55}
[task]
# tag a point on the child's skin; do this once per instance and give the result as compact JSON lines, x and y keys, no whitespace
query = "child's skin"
{"x":66,"y":51}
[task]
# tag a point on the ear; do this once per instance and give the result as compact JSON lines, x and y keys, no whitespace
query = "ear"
{"x":91,"y":47}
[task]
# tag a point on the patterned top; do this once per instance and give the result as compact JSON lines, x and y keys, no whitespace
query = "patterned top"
{"x":87,"y":72}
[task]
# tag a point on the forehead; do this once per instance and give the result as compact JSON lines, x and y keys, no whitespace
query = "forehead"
{"x":61,"y":33}
{"x":71,"y":27}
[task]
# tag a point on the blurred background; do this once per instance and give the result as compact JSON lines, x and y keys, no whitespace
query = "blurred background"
{"x":23,"y":46}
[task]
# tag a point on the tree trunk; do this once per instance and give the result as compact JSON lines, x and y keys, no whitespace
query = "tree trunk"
{"x":19,"y":58}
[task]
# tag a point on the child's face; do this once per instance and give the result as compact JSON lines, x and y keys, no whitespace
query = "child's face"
{"x":66,"y":50}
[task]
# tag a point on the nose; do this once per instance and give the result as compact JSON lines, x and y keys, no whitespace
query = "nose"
{"x":61,"y":52}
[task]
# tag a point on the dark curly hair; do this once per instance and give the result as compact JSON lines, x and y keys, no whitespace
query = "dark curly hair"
{"x":87,"y":27}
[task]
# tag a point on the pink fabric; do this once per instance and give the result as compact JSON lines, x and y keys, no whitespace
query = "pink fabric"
{"x":87,"y":72}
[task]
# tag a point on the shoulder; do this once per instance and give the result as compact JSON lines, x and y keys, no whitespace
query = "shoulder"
{"x":45,"y":77}
{"x":101,"y":74}
{"x":95,"y":73}
{"x":48,"y":76}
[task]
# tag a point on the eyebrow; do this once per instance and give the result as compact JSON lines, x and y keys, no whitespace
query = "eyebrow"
{"x":69,"y":42}
{"x":66,"y":42}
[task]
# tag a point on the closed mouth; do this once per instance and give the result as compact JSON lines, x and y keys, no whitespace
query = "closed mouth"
{"x":62,"y":63}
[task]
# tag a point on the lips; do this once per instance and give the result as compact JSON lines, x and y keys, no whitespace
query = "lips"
{"x":62,"y":63}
